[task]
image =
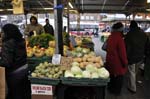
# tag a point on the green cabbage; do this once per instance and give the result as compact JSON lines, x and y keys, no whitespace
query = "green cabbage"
{"x":95,"y":75}
{"x":68,"y":74}
{"x":86,"y":74}
{"x":76,"y":70}
{"x":91,"y":68}
{"x":103,"y":73}
{"x":75,"y":64}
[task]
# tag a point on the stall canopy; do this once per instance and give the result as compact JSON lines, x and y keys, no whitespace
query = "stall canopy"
{"x":111,"y":6}
{"x":83,"y":6}
{"x":30,"y":6}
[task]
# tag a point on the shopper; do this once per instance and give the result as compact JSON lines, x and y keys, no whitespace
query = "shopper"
{"x":135,"y":43}
{"x":147,"y":70}
{"x":116,"y":60}
{"x":34,"y":28}
{"x":13,"y":58}
{"x":48,"y":27}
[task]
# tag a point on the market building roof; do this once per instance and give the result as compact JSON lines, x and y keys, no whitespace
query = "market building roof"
{"x":83,"y":6}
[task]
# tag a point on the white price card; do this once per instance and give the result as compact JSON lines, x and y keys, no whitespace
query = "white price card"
{"x":56,"y":59}
{"x":38,"y":89}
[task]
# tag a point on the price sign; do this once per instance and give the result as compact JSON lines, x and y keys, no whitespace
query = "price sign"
{"x":56,"y":59}
{"x":38,"y":89}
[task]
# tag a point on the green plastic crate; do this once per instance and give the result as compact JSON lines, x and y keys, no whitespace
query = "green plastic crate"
{"x":44,"y":81}
{"x":85,"y":81}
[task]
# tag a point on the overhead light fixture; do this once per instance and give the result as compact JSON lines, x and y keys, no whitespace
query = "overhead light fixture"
{"x":48,"y":8}
{"x":148,"y":1}
{"x":148,"y":9}
{"x":6,"y":9}
{"x":71,"y":6}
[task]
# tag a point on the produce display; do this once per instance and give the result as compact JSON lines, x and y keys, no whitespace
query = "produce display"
{"x":39,"y":52}
{"x":86,"y":65}
{"x":42,"y":45}
{"x":47,"y":70}
{"x":83,"y":40}
{"x":81,"y":62}
{"x":90,"y":71}
{"x":40,"y":40}
{"x":79,"y":52}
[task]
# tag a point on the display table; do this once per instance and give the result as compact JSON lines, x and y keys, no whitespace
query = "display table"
{"x":95,"y":86}
{"x":98,"y":91}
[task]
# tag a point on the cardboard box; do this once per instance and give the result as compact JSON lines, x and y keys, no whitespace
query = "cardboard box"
{"x":42,"y":91}
{"x":2,"y":83}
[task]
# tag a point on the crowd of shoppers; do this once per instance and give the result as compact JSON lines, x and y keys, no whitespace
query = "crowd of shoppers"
{"x":125,"y":54}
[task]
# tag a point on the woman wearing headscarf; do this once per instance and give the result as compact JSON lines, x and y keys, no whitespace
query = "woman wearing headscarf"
{"x":13,"y":58}
{"x":34,"y":28}
{"x":116,"y":59}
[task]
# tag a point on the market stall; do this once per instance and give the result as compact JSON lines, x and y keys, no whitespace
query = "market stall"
{"x":79,"y":68}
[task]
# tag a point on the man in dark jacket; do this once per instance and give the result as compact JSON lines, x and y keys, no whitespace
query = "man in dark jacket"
{"x":135,"y":43}
{"x":48,"y":28}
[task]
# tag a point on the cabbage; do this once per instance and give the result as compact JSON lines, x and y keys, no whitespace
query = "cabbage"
{"x":78,"y":49}
{"x":78,"y":76}
{"x":103,"y":73}
{"x":86,"y":74}
{"x":74,"y":54}
{"x":91,"y":68}
{"x":85,"y":51}
{"x":76,"y":70}
{"x":79,"y":54}
{"x":92,"y":53}
{"x":75,"y":64}
{"x":68,"y":74}
{"x":95,"y":75}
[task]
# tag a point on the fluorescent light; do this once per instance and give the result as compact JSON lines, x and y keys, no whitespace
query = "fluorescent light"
{"x":148,"y":1}
{"x":148,"y":9}
{"x":6,"y":9}
{"x":9,"y":9}
{"x":48,"y":8}
{"x":71,"y":6}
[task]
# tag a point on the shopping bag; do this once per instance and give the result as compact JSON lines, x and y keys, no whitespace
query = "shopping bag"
{"x":2,"y":83}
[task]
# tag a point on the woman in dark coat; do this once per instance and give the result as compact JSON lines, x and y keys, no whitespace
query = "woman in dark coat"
{"x":13,"y":58}
{"x":116,"y":59}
